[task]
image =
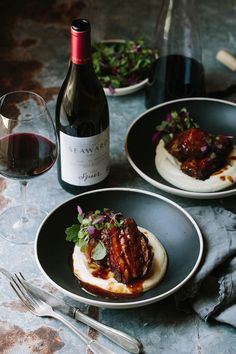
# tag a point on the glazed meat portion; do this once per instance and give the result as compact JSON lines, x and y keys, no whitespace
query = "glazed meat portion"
{"x":201,"y":154}
{"x":202,"y":169}
{"x":193,"y":142}
{"x":222,"y":146}
{"x":129,"y":254}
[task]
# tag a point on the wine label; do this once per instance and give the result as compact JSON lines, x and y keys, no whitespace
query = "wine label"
{"x":84,"y":161}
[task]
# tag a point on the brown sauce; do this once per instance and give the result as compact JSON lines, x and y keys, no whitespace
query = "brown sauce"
{"x":101,"y":272}
{"x":135,"y":287}
{"x":137,"y":290}
{"x":230,"y":179}
{"x":220,"y":171}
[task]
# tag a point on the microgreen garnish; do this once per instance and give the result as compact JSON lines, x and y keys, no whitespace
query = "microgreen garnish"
{"x":99,"y":252}
{"x":122,"y":64}
{"x":90,"y":226}
{"x":174,"y":122}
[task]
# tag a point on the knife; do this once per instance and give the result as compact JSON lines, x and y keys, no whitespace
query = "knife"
{"x":123,"y":339}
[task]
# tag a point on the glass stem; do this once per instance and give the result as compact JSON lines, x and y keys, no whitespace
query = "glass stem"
{"x":23,"y":190}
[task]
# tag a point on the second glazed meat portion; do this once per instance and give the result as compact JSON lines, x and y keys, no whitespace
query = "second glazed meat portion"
{"x":129,"y":254}
{"x":200,"y":153}
{"x":203,"y":168}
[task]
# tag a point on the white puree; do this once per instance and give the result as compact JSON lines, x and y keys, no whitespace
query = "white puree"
{"x":83,"y":270}
{"x":169,"y":168}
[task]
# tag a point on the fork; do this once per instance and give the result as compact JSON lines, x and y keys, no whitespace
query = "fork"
{"x":40,"y":308}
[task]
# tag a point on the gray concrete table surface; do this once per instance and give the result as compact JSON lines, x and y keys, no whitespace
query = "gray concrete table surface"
{"x":34,"y":55}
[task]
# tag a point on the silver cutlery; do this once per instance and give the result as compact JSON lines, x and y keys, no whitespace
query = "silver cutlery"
{"x":122,"y":339}
{"x":40,"y":308}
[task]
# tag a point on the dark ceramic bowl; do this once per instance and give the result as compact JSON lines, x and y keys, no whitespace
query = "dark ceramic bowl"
{"x":215,"y":116}
{"x":173,"y":226}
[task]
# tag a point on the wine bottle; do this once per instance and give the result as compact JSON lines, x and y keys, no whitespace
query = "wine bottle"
{"x":178,"y":71}
{"x":82,"y":119}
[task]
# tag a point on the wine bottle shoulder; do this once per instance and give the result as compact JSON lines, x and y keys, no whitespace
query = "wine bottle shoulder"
{"x":81,"y":83}
{"x":82,"y":108}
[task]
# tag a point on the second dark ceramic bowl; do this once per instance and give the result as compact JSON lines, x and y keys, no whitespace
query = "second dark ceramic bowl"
{"x":215,"y":116}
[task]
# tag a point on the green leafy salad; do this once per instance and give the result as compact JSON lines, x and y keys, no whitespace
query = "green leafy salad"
{"x":87,"y":233}
{"x":122,"y":64}
{"x":173,"y":123}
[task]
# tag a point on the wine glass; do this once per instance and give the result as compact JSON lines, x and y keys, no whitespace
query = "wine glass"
{"x":28,"y":148}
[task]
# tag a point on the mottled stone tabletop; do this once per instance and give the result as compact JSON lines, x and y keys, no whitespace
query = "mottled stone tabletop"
{"x":34,"y":41}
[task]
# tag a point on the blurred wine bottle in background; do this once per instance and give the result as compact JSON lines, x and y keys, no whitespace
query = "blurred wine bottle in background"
{"x":82,"y":119}
{"x":178,"y":71}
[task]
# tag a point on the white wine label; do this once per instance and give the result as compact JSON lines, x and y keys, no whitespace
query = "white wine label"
{"x":84,"y":161}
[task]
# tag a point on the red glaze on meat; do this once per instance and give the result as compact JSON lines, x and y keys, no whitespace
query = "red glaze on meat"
{"x":202,"y":169}
{"x":201,"y":154}
{"x":129,"y":255}
{"x":193,"y":142}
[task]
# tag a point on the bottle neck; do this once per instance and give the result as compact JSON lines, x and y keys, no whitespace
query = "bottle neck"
{"x":177,"y":12}
{"x":80,"y":47}
{"x":177,"y":29}
{"x":178,"y":3}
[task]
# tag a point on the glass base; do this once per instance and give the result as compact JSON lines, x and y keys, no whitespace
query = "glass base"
{"x":21,"y":229}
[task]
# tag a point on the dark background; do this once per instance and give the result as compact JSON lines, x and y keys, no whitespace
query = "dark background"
{"x":35,"y":38}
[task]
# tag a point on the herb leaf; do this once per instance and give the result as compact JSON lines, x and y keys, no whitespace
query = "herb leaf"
{"x":90,"y":226}
{"x":99,"y":252}
{"x":173,"y":123}
{"x":82,"y":243}
{"x":72,"y":233}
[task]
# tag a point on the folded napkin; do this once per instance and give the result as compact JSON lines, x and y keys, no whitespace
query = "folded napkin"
{"x":211,"y":292}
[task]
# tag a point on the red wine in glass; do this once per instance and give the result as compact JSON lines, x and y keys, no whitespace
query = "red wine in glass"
{"x":26,"y":155}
